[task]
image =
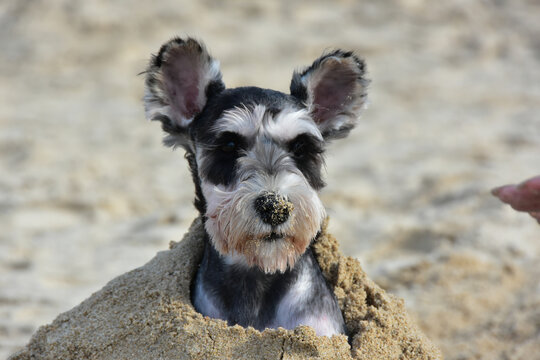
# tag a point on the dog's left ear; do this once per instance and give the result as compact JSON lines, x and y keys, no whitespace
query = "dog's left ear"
{"x":334,"y":91}
{"x":179,"y":82}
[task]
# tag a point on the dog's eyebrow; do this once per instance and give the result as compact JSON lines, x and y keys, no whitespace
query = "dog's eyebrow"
{"x":242,"y":120}
{"x":290,"y":123}
{"x":314,"y":142}
{"x":282,"y":126}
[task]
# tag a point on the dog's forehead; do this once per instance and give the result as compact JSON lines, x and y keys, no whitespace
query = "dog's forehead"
{"x":257,"y":121}
{"x":254,"y":111}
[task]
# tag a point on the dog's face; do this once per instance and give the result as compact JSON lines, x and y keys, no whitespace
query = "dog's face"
{"x":257,"y":155}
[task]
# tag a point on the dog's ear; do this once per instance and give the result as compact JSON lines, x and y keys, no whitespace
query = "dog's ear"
{"x":179,"y":81}
{"x":333,"y":89}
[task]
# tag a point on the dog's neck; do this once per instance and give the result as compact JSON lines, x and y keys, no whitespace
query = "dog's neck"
{"x":200,"y":201}
{"x":245,"y":291}
{"x":248,"y":296}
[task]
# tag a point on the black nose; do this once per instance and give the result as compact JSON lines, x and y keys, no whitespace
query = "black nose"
{"x":273,"y":209}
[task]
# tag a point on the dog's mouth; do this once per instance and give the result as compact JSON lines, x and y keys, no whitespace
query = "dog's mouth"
{"x":273,"y":236}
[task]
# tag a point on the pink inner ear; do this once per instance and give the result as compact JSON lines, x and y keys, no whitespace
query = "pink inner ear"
{"x":181,"y":76}
{"x":333,"y":92}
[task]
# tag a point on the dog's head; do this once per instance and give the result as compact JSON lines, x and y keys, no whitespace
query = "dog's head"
{"x":256,"y":154}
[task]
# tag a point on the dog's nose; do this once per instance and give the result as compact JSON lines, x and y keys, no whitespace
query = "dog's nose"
{"x":273,"y":209}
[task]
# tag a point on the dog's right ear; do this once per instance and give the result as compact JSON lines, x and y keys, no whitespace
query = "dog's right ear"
{"x":179,"y":81}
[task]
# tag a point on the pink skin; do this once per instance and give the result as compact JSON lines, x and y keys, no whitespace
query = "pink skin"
{"x":522,"y":197}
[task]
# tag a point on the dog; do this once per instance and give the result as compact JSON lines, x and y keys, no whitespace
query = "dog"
{"x":256,"y":157}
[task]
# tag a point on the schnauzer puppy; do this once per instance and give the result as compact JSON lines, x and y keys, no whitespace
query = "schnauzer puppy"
{"x":256,"y":157}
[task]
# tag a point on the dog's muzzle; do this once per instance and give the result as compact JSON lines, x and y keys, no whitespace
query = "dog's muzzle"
{"x":273,"y":209}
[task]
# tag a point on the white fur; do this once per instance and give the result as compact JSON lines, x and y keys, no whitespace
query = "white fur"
{"x":154,"y":108}
{"x":205,"y":303}
{"x":287,"y":125}
{"x":233,"y":224}
{"x":287,"y":315}
{"x":290,"y":123}
{"x":232,"y":218}
{"x":350,"y":109}
{"x":241,"y":120}
{"x":158,"y":102}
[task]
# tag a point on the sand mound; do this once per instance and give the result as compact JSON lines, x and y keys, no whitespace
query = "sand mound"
{"x":146,"y":314}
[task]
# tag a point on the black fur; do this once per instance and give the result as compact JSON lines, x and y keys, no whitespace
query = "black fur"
{"x":274,"y":101}
{"x":298,"y":89}
{"x":200,"y":201}
{"x":247,"y":295}
{"x":260,"y":292}
{"x":221,"y":169}
{"x":307,"y":153}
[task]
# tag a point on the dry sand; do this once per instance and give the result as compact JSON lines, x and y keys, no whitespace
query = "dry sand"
{"x":147,"y":314}
{"x":87,"y":192}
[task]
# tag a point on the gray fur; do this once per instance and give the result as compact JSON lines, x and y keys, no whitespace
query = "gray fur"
{"x":242,"y":145}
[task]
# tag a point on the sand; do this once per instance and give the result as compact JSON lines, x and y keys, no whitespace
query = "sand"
{"x":147,"y":314}
{"x":88,"y":192}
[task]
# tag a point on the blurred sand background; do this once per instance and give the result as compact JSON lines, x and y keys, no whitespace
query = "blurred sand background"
{"x":88,"y":192}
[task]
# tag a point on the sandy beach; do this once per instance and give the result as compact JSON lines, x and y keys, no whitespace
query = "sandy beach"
{"x":88,"y":192}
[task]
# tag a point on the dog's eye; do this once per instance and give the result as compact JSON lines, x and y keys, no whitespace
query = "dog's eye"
{"x":230,"y":143}
{"x":305,"y":146}
{"x":229,"y":147}
{"x":298,"y":148}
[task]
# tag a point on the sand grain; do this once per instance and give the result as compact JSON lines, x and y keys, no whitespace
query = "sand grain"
{"x":147,"y":314}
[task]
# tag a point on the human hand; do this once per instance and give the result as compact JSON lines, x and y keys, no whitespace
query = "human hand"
{"x":522,"y":197}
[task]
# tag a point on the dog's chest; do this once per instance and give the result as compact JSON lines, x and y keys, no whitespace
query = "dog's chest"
{"x":309,"y":303}
{"x":285,"y":300}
